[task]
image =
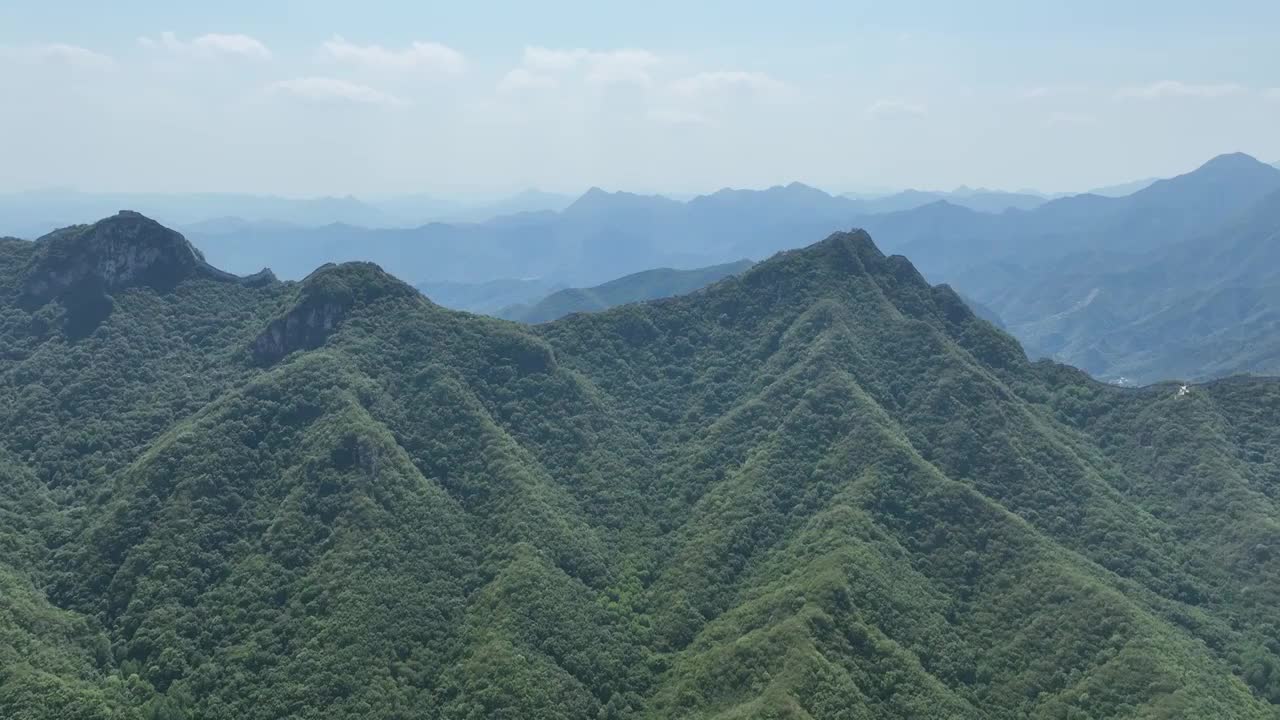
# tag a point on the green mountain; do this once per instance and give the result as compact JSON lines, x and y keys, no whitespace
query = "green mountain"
{"x":645,"y":285}
{"x":820,"y":489}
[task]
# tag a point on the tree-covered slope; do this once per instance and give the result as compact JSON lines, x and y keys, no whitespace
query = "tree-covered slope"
{"x":637,"y":287}
{"x":820,"y":489}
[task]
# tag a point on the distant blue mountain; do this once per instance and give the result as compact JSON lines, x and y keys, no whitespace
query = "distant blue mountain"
{"x":489,"y":297}
{"x":34,"y":213}
{"x":645,"y":285}
{"x":992,"y":201}
{"x":1102,"y":282}
{"x":1122,"y":189}
{"x":604,"y":235}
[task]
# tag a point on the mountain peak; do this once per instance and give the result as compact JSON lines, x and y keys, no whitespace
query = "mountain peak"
{"x":325,"y":298}
{"x":799,"y":189}
{"x":596,"y":200}
{"x":839,"y":255}
{"x":1233,"y":161}
{"x":1235,"y":179}
{"x":797,"y":186}
{"x":125,"y":249}
{"x":363,"y":282}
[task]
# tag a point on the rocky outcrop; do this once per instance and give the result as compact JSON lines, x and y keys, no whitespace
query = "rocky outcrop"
{"x":261,"y":278}
{"x":304,"y":327}
{"x":124,"y":250}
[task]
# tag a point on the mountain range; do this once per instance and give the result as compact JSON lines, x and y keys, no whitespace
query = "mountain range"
{"x":1083,"y":279}
{"x":637,"y":287}
{"x":819,"y":488}
{"x":598,"y":237}
{"x":1048,"y":271}
{"x":982,"y":200}
{"x":1150,"y":286}
{"x":34,"y":213}
{"x":490,"y":297}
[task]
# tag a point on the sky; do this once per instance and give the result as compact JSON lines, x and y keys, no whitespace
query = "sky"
{"x":459,"y":99}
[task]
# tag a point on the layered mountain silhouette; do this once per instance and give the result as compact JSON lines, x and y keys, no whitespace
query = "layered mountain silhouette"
{"x":1176,"y":282}
{"x":952,"y":241}
{"x":637,"y":287}
{"x":33,"y":213}
{"x":1037,"y":268}
{"x":982,"y":200}
{"x":820,"y":488}
{"x":490,"y":297}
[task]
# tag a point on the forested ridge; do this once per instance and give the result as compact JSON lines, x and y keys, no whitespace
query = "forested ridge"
{"x":819,"y":489}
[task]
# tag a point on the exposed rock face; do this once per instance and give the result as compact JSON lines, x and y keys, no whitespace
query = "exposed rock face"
{"x":261,"y":278}
{"x":326,"y":298}
{"x":305,"y":327}
{"x":121,"y":251}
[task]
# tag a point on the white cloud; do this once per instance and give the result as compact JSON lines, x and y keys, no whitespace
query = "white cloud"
{"x":896,"y":106}
{"x":610,"y":67}
{"x":675,"y":116}
{"x":334,"y":90}
{"x":1177,"y":89}
{"x":521,"y":79}
{"x":709,"y":83}
{"x":58,"y":53}
{"x":210,"y":45}
{"x":1271,"y":93}
{"x":424,"y":56}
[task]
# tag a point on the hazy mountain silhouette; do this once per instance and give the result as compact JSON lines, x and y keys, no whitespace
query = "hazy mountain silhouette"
{"x":992,"y":201}
{"x":32,"y":214}
{"x":1205,"y":307}
{"x":637,"y":287}
{"x":489,"y":297}
{"x":1004,"y":261}
{"x":1123,"y":287}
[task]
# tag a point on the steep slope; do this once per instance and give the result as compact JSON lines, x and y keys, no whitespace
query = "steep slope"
{"x":637,"y":287}
{"x":826,"y":368}
{"x":820,"y":488}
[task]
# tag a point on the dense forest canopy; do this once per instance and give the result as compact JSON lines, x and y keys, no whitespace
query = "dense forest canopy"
{"x":822,"y":488}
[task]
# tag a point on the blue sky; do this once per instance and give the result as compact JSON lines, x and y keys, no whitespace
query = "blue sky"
{"x":367,"y":98}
